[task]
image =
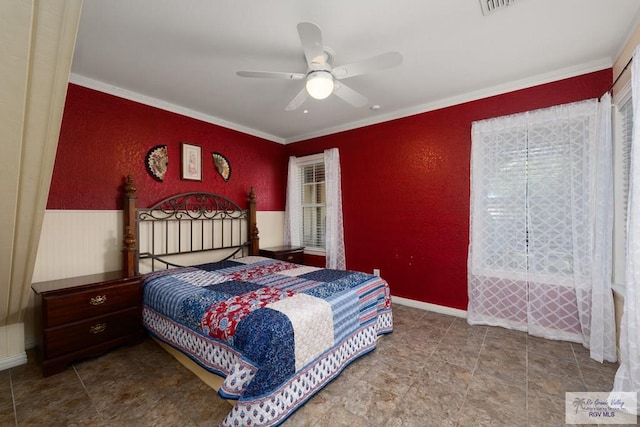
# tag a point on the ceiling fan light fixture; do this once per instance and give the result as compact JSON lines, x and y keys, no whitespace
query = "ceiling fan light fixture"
{"x":319,"y":84}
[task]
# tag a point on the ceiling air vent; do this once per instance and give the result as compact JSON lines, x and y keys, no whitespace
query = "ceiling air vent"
{"x":490,"y":6}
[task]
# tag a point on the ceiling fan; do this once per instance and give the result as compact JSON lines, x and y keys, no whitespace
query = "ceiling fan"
{"x":322,"y":79}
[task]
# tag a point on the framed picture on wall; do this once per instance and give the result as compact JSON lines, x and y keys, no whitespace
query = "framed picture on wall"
{"x":191,"y":164}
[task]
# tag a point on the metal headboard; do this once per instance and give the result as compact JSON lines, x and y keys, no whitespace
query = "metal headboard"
{"x":172,"y":232}
{"x":191,"y":223}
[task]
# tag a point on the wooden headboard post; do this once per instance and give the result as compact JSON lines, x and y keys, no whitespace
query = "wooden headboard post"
{"x":129,"y":243}
{"x":254,"y":239}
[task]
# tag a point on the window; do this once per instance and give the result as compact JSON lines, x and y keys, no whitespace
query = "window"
{"x":313,"y":212}
{"x":314,"y":209}
{"x":536,"y":255}
{"x":527,"y":173}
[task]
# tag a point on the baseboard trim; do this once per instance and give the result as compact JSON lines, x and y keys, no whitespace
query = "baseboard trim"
{"x":430,"y":307}
{"x":13,"y":361}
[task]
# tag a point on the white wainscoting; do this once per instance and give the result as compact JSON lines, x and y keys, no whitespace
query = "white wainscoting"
{"x":271,"y":228}
{"x":76,"y":243}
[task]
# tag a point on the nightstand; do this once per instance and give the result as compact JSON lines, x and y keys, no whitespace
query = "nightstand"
{"x":294,"y":254}
{"x":85,"y":316}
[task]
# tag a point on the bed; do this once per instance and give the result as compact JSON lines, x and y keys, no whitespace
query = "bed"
{"x":266,"y":334}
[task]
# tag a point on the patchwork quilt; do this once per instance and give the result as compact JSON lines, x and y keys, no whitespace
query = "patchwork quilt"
{"x":276,"y":331}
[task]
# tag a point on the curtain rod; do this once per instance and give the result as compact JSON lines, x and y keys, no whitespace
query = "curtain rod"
{"x":618,"y":78}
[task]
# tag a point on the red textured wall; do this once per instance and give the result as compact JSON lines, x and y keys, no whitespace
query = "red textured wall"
{"x":104,"y":138}
{"x":405,"y":183}
{"x":405,"y":189}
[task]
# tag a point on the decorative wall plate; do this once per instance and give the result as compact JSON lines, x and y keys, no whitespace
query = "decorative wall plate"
{"x":156,"y":161}
{"x":222,"y":166}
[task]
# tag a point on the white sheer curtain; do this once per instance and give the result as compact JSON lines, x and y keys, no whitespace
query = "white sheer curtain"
{"x":536,"y":262}
{"x":602,"y":339}
{"x":628,"y":375}
{"x":335,"y":255}
{"x":293,"y":208}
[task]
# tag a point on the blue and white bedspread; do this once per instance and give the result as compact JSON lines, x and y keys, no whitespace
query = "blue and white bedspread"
{"x":277,"y":332}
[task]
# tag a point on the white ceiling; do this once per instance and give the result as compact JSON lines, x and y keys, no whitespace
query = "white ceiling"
{"x":183,"y":55}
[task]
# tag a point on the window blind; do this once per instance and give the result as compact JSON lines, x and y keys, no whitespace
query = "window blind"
{"x":626,"y":112}
{"x":313,"y":212}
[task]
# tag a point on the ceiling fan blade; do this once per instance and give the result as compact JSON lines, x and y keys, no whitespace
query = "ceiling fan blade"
{"x":349,"y":95}
{"x":298,"y":100}
{"x":271,"y":75}
{"x":311,"y":38}
{"x":375,"y":63}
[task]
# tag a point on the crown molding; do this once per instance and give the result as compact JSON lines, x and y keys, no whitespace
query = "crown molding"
{"x":465,"y":97}
{"x":423,"y":108}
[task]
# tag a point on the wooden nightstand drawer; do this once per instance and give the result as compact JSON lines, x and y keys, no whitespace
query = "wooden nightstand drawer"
{"x":86,"y":316}
{"x":92,"y":301}
{"x":294,"y":257}
{"x":294,"y":254}
{"x":90,"y":332}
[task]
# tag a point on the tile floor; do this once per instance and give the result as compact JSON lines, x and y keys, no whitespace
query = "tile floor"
{"x":434,"y":370}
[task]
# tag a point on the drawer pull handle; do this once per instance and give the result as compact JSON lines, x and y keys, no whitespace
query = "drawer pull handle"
{"x":97,"y":328}
{"x":98,"y":299}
